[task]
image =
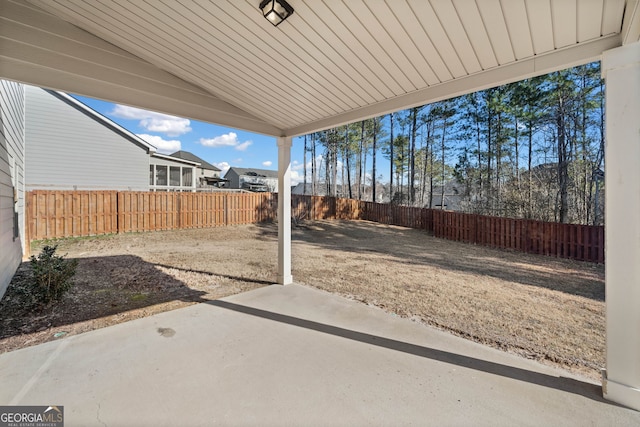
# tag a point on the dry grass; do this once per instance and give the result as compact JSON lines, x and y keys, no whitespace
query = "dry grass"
{"x":538,"y":307}
{"x":541,"y":308}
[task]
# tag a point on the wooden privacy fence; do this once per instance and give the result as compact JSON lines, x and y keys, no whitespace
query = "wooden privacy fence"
{"x":55,"y":214}
{"x":573,"y":241}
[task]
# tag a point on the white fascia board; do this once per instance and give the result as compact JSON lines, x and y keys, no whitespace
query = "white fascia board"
{"x":175,"y":159}
{"x":542,"y":64}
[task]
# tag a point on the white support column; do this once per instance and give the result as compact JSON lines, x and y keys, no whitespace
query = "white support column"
{"x":284,"y":211}
{"x":621,"y":379}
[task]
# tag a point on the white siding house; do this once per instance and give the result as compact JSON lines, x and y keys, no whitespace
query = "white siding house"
{"x":72,"y":147}
{"x":12,"y":156}
{"x":168,"y":173}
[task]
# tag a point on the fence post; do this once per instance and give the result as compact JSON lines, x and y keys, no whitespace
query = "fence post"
{"x":226,"y":209}
{"x":28,"y":225}
{"x":118,"y":212}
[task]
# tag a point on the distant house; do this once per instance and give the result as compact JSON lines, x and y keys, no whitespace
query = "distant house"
{"x":301,"y":189}
{"x":258,"y":180}
{"x":207,"y":175}
{"x":452,"y":199}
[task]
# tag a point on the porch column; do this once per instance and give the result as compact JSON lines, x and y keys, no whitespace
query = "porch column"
{"x":621,"y":379}
{"x":284,"y":211}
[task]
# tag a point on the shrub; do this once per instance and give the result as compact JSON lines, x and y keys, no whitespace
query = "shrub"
{"x":51,"y":275}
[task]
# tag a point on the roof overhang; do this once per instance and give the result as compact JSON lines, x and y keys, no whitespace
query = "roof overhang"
{"x":330,"y":63}
{"x":175,"y":159}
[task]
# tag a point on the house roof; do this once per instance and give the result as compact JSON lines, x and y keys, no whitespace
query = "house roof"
{"x":103,"y":120}
{"x":329,"y":63}
{"x":175,"y":159}
{"x":185,"y":155}
{"x":264,"y":173}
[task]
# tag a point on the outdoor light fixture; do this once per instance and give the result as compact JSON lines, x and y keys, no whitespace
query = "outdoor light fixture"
{"x":276,"y":11}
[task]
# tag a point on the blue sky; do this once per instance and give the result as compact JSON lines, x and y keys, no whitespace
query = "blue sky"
{"x":220,"y":146}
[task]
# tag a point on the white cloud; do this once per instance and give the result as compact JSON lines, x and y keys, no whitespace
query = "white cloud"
{"x":226,"y":140}
{"x":296,"y":177}
{"x":163,"y":146}
{"x":152,"y":121}
{"x":243,"y":146}
{"x":224,"y":167}
{"x":267,"y":163}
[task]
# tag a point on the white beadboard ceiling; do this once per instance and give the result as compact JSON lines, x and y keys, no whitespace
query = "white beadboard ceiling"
{"x":331,"y":62}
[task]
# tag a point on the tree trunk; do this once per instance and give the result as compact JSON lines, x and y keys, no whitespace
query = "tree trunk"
{"x":313,"y":164}
{"x":563,"y":178}
{"x":304,"y":188}
{"x":391,"y":144}
{"x":360,"y":161}
{"x":444,"y":132}
{"x":373,"y":171}
{"x":530,"y":183}
{"x":412,"y":156}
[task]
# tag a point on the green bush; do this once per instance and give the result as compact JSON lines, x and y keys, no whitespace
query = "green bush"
{"x":51,"y":275}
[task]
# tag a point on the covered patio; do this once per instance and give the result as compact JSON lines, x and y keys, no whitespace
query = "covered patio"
{"x":340,"y":61}
{"x":294,"y":356}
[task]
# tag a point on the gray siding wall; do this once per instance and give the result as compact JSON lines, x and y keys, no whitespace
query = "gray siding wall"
{"x":12,"y":151}
{"x":67,"y":149}
{"x":234,"y":179}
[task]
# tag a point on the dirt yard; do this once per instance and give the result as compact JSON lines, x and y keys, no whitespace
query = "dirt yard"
{"x":541,"y":308}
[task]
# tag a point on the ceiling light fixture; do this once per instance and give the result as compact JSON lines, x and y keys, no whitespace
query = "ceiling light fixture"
{"x":276,"y":11}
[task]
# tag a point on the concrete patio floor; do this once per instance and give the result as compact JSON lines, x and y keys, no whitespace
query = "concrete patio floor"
{"x":293,"y":356}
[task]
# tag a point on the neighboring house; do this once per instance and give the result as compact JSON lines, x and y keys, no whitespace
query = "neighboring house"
{"x":207,"y":175}
{"x":12,"y":156}
{"x":168,"y":173}
{"x":259,"y":180}
{"x":73,"y":147}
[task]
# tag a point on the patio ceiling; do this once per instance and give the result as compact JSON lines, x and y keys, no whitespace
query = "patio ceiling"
{"x":331,"y":62}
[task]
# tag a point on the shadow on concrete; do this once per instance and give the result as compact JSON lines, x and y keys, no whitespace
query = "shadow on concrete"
{"x":565,"y":384}
{"x":226,"y":276}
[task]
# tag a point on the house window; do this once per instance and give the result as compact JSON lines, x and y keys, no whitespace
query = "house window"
{"x":151,"y":174}
{"x":161,"y":175}
{"x":187,"y":177}
{"x":174,"y":176}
